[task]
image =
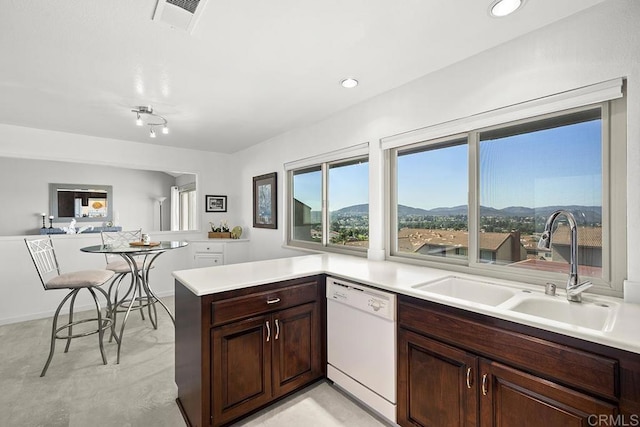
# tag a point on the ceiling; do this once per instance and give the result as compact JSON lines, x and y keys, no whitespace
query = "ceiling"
{"x":249,"y":71}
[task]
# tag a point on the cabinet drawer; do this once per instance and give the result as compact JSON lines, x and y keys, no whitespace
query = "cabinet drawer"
{"x":206,"y":259}
{"x":207,"y":247}
{"x":231,"y":309}
{"x":571,"y":366}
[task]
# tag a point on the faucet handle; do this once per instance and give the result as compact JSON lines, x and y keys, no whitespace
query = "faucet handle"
{"x":550,"y":289}
{"x":580,"y":288}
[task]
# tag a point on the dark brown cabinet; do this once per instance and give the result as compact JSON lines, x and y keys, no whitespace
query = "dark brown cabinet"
{"x":260,"y":359}
{"x":457,"y":368}
{"x":241,"y":368}
{"x":439,"y":382}
{"x":510,"y":397}
{"x":238,"y":351}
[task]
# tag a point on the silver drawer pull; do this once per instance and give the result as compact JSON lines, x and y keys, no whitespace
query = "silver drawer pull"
{"x":277,"y":329}
{"x":484,"y":385}
{"x":273,"y":301}
{"x":268,"y":331}
{"x":468,"y":377}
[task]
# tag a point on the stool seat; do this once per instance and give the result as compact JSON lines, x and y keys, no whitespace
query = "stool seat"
{"x":79,"y":279}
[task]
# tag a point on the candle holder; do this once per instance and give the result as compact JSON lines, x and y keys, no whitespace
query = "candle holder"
{"x":43,"y":223}
{"x":50,"y":222}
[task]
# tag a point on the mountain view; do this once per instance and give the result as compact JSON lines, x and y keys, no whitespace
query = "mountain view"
{"x":350,"y":223}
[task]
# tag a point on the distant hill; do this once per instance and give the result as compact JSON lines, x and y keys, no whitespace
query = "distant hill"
{"x":362,"y":209}
{"x":583,"y":214}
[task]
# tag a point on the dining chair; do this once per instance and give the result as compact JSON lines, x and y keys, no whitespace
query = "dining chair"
{"x":121,"y":268}
{"x":44,"y":258}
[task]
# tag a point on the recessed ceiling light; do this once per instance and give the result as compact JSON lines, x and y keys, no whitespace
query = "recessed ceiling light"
{"x":500,"y":8}
{"x":349,"y":83}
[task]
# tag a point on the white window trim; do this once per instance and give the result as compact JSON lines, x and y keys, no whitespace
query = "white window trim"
{"x":342,"y":154}
{"x":605,"y":91}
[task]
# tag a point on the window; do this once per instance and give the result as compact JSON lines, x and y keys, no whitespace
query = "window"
{"x":329,"y":205}
{"x":183,"y":207}
{"x":432,"y":193}
{"x":530,"y":170}
{"x":307,"y":205}
{"x":479,"y":201}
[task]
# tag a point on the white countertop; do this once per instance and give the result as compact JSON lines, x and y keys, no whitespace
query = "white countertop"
{"x":400,"y":278}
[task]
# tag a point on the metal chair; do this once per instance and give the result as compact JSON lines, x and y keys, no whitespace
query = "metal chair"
{"x":121,"y":268}
{"x":44,"y":258}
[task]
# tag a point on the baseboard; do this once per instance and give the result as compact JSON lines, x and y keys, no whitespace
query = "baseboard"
{"x":50,"y":313}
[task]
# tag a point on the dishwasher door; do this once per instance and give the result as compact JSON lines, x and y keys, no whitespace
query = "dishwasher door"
{"x":361,"y":343}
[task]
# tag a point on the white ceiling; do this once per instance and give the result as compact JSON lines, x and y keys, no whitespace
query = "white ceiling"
{"x":251,"y":70}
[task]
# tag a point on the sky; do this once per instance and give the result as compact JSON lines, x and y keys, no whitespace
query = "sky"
{"x":559,"y":166}
{"x":348,"y":186}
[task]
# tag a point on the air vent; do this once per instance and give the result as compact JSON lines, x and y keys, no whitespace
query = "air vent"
{"x":188,"y":5}
{"x":179,"y":14}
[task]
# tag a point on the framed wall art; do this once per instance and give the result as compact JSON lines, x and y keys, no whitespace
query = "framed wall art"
{"x":265,"y":201}
{"x":215,"y":203}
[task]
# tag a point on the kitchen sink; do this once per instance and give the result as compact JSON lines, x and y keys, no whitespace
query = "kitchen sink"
{"x":591,"y":315}
{"x":468,"y":290}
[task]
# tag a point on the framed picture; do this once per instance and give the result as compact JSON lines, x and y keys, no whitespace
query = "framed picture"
{"x":265,"y":201}
{"x":215,"y":203}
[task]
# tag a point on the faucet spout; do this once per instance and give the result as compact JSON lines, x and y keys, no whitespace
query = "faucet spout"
{"x":574,"y":287}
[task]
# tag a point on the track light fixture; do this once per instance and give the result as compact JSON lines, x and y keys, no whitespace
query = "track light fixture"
{"x":152,"y":121}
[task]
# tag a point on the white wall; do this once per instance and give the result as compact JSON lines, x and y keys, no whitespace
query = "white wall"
{"x":599,"y":44}
{"x":27,"y":181}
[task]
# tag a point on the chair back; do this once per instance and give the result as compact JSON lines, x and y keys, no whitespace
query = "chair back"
{"x":119,"y":238}
{"x":44,"y":259}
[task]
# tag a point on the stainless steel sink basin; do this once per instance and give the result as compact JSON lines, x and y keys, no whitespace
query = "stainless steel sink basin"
{"x":591,"y":315}
{"x":468,"y":290}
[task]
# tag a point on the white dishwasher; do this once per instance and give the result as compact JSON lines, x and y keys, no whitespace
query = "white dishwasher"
{"x":361,"y":343}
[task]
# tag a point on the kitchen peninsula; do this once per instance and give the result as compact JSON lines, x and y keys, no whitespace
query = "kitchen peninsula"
{"x":575,"y":371}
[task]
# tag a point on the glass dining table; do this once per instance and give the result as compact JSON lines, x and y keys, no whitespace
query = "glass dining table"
{"x":132,"y":253}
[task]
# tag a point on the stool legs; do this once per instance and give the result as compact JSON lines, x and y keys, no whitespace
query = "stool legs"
{"x":103,"y":323}
{"x":70,"y":332}
{"x":54,"y":330}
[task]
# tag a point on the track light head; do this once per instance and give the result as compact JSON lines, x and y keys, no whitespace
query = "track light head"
{"x":157,"y":119}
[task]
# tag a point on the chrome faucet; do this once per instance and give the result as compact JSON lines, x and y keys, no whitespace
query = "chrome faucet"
{"x":574,"y":287}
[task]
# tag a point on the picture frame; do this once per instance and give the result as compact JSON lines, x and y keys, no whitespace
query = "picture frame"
{"x":265,"y":201}
{"x":215,"y":203}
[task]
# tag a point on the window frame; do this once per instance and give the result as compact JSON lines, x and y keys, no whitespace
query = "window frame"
{"x":324,"y":245}
{"x":392,"y":210}
{"x":614,"y":245}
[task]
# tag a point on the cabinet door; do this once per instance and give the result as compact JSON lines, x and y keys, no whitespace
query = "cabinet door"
{"x":510,"y":397}
{"x":436,"y":383}
{"x":296,"y":348}
{"x":241,"y":367}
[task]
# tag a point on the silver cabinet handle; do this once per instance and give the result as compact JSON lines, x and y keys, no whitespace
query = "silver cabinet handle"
{"x":468,"y":377}
{"x":268,"y":331}
{"x":277,"y":329}
{"x":484,"y":385}
{"x":273,"y":301}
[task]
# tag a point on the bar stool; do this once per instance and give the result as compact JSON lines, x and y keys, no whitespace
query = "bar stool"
{"x":44,"y":258}
{"x":121,"y":268}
